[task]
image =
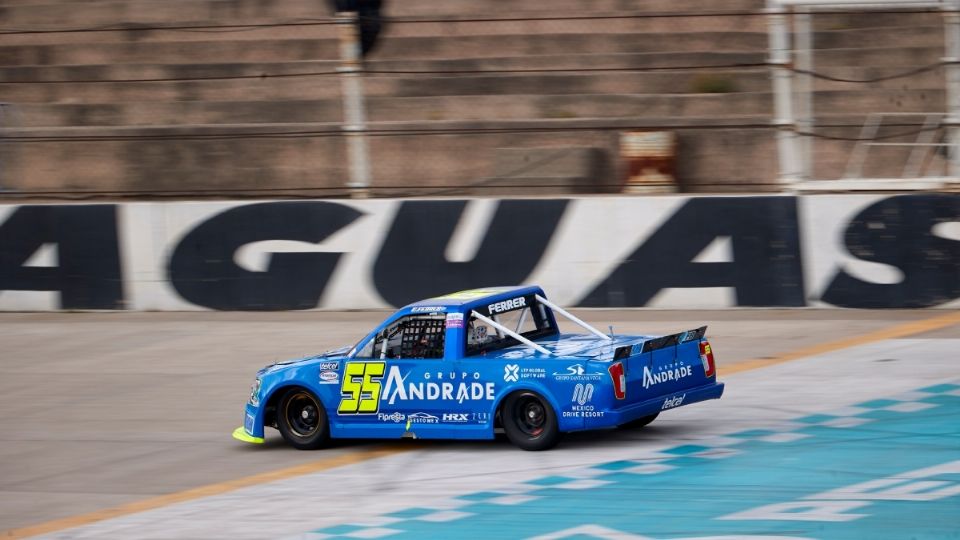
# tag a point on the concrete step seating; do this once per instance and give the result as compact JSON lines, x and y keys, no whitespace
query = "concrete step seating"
{"x":465,"y":107}
{"x":301,"y":40}
{"x":375,"y":86}
{"x":298,"y":49}
{"x":72,"y":14}
{"x":320,"y":42}
{"x":257,"y":87}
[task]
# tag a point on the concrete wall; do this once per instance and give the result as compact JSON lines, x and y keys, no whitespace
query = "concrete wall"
{"x":860,"y":251}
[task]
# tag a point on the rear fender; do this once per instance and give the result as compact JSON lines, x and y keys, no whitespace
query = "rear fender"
{"x":564,"y":424}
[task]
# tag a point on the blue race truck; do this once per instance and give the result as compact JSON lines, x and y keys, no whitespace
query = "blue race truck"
{"x":474,"y":363}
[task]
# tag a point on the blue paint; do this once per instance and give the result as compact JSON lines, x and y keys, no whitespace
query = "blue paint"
{"x":411,"y":513}
{"x":455,"y":384}
{"x":616,"y":465}
{"x":549,"y":481}
{"x":687,"y":500}
{"x":687,"y":449}
{"x":482,"y":496}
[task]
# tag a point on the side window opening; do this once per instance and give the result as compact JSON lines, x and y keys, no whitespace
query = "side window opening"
{"x":420,"y":336}
{"x":423,"y":338}
{"x":520,"y":321}
{"x":530,"y":322}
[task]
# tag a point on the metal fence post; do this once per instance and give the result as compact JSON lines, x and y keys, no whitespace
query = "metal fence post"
{"x":355,"y":123}
{"x":783,"y":93}
{"x":952,"y":60}
{"x":803,"y":90}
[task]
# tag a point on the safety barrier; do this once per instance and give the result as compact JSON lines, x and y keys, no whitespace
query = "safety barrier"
{"x":857,"y":251}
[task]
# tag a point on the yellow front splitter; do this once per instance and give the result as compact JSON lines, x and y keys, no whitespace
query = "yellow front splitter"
{"x":241,"y":434}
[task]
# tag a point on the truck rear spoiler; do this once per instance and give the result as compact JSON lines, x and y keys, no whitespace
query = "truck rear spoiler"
{"x":659,"y":343}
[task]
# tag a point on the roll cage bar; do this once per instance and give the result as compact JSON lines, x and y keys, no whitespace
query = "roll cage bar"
{"x":557,"y":309}
{"x":572,"y":318}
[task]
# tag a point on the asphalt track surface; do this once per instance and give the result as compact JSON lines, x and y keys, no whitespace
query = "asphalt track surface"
{"x":835,"y":424}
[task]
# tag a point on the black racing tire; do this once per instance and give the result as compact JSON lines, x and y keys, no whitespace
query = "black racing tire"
{"x":529,"y":421}
{"x":302,"y":420}
{"x":640,"y":422}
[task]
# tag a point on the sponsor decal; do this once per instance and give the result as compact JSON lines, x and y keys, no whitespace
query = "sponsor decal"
{"x":582,"y":394}
{"x":395,"y":417}
{"x":427,"y":309}
{"x":513,"y":373}
{"x":507,"y":305}
{"x":397,"y":388}
{"x":421,"y":418}
{"x":363,"y":387}
{"x":582,"y":408}
{"x":672,"y":402}
{"x":360,"y":390}
{"x":452,"y":375}
{"x":329,"y":372}
{"x":454,"y":320}
{"x":458,"y":418}
{"x":576,"y":372}
{"x":665,"y":374}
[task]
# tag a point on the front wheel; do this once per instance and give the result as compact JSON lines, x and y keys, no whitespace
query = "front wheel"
{"x":529,"y":421}
{"x":302,"y":420}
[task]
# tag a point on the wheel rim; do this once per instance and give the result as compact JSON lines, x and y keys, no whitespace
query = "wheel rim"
{"x":530,"y":416}
{"x":302,"y":414}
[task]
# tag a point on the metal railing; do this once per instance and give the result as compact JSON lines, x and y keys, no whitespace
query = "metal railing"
{"x":791,"y":58}
{"x":921,"y":157}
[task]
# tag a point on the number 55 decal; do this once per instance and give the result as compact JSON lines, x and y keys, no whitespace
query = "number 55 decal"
{"x":360,"y":391}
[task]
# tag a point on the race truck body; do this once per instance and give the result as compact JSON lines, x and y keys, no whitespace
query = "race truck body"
{"x":472,"y":363}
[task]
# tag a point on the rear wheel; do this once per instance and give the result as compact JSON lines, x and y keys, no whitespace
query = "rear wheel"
{"x":529,"y":421}
{"x":302,"y":420}
{"x":640,"y":422}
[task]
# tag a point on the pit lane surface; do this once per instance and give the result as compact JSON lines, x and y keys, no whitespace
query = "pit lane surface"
{"x":103,"y":410}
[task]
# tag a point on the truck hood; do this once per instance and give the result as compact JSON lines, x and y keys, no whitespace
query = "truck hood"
{"x":277,"y":366}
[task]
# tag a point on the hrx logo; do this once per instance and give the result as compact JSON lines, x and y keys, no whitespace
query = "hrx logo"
{"x":455,"y":417}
